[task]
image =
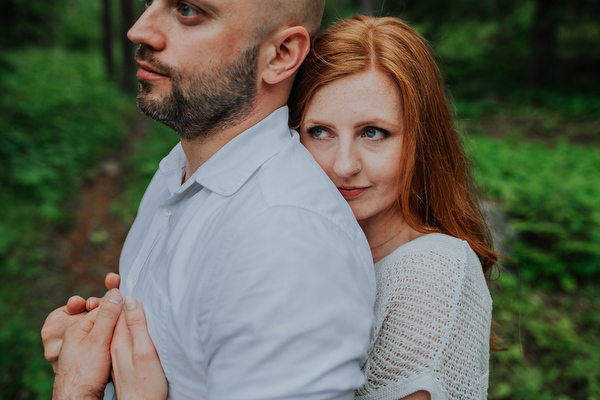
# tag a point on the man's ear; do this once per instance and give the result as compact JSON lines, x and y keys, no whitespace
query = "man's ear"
{"x":285,"y":54}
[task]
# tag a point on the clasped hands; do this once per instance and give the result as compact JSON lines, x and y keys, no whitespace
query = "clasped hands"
{"x":87,"y":342}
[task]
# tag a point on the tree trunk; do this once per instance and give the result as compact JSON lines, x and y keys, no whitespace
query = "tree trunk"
{"x":127,"y":20}
{"x":543,"y":41}
{"x":107,"y":44}
{"x":47,"y":39}
{"x":367,"y":7}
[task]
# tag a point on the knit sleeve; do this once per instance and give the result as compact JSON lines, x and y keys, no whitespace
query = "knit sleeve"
{"x":433,"y":324}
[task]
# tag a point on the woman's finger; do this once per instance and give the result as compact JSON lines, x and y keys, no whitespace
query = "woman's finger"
{"x":138,"y":328}
{"x":112,"y":280}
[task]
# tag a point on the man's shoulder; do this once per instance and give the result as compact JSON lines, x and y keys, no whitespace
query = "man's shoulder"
{"x":292,"y":178}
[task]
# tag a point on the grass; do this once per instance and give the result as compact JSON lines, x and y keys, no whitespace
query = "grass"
{"x":550,"y":193}
{"x":552,"y":342}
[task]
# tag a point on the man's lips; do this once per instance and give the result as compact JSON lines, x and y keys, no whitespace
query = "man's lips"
{"x":147,"y":73}
{"x":350,"y":193}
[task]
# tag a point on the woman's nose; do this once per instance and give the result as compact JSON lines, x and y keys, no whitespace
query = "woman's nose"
{"x":347,"y":161}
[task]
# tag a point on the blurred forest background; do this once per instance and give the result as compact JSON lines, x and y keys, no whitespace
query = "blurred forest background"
{"x":75,"y":156}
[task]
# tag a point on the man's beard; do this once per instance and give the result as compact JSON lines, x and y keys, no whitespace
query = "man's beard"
{"x":207,"y":102}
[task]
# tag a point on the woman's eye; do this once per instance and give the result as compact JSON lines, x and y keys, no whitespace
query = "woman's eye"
{"x":148,"y":3}
{"x":187,"y":11}
{"x":373,"y":133}
{"x":318,"y":133}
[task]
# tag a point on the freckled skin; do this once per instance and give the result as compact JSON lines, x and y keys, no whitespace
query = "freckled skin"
{"x":344,"y":129}
{"x":345,"y":107}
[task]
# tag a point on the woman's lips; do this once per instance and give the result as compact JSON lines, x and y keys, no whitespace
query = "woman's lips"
{"x":350,"y":193}
{"x":146,"y":73}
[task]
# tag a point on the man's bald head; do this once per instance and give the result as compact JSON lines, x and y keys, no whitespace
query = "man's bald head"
{"x":274,"y":14}
{"x":310,"y":13}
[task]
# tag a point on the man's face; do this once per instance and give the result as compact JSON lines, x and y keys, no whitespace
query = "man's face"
{"x":198,"y":64}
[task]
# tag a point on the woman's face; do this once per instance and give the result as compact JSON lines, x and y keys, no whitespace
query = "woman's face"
{"x":353,"y":128}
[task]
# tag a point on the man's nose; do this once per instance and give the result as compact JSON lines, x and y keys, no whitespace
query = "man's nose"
{"x":147,"y":30}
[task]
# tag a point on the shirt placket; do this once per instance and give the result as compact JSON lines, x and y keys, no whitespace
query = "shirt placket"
{"x":159,"y":225}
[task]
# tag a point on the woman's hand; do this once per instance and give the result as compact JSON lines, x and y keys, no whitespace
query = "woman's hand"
{"x":136,"y":369}
{"x":111,"y":281}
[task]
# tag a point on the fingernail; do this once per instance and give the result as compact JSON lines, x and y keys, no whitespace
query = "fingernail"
{"x":130,"y":303}
{"x":112,"y":297}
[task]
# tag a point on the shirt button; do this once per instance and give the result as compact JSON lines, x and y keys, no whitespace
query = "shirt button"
{"x":168,"y":210}
{"x":134,"y":278}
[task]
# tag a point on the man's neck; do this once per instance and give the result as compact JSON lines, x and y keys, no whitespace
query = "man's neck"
{"x":198,"y":151}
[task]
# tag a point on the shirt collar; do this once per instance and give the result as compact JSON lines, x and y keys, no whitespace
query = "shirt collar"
{"x":226,"y":171}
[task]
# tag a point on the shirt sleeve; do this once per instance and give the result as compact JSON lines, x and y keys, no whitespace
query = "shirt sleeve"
{"x":293,"y":317}
{"x":434,"y":331}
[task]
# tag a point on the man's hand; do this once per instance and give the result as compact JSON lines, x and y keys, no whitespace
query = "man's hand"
{"x":62,"y":318}
{"x":137,"y":373}
{"x":56,"y":324}
{"x":84,"y":361}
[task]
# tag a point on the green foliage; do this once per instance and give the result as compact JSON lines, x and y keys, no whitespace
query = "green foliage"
{"x":338,"y":9}
{"x":545,"y":304}
{"x":79,"y":27}
{"x":22,"y":22}
{"x":551,"y":340}
{"x":579,"y":39}
{"x":72,"y":24}
{"x":59,"y":116}
{"x":552,"y":198}
{"x":24,"y":374}
{"x":547,"y":104}
{"x":142,"y":165}
{"x":469,"y":50}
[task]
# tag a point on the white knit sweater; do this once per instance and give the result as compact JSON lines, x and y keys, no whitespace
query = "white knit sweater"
{"x":432,"y":328}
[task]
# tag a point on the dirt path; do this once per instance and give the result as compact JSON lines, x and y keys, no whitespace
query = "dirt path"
{"x":92,"y":247}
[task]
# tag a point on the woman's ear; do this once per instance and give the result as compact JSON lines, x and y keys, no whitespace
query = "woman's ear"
{"x":285,"y":54}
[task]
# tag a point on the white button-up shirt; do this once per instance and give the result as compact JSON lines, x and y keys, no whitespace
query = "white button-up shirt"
{"x":256,"y":280}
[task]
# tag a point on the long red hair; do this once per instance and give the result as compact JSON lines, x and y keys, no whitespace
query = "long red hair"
{"x":435,"y":184}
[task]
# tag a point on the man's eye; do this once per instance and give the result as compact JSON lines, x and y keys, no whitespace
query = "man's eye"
{"x":148,"y":3}
{"x":187,"y":11}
